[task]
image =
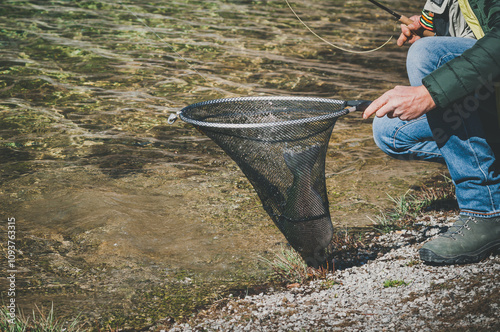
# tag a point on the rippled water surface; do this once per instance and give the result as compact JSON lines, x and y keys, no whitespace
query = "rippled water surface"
{"x":125,"y":219}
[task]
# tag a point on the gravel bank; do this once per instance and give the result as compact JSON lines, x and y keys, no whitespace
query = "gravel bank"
{"x":394,"y":292}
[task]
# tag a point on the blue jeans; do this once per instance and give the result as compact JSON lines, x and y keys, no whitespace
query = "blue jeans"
{"x":458,"y":136}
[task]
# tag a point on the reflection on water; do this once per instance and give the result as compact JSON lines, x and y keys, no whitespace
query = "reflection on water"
{"x":112,"y":202}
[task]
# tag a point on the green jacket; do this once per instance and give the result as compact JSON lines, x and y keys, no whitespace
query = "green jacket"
{"x":481,"y":63}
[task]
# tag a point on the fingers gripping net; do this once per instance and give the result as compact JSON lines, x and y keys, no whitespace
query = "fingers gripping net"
{"x":280,"y":144}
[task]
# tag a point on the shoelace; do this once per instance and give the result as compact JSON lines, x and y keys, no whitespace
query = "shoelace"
{"x":457,"y":228}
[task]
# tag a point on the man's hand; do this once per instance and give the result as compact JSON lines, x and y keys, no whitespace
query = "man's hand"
{"x":404,"y":102}
{"x":412,"y":32}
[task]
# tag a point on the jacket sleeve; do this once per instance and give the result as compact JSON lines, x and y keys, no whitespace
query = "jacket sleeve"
{"x":461,"y":76}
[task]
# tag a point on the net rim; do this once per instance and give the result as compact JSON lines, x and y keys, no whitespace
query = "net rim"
{"x":334,"y":114}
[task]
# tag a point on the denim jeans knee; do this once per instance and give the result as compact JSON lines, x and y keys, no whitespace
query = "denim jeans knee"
{"x":406,"y":140}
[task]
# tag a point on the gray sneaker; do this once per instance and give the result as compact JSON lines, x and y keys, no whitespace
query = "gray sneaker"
{"x":469,"y":240}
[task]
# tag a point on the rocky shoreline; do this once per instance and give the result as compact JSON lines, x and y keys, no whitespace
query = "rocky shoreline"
{"x":393,"y":292}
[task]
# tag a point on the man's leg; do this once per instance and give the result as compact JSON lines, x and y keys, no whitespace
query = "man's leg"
{"x":459,"y":137}
{"x":458,"y":131}
{"x":463,"y":135}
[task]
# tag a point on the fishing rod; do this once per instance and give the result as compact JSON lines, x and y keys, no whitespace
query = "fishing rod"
{"x":401,"y":18}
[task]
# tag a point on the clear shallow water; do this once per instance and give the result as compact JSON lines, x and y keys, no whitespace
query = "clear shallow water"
{"x":115,"y":207}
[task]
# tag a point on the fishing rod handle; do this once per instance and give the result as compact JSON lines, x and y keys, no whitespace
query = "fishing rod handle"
{"x":405,"y":20}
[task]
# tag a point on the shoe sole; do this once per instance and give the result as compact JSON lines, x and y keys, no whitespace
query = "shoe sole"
{"x":430,"y":257}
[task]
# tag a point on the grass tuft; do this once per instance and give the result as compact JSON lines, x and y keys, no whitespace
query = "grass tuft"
{"x":289,"y":268}
{"x":37,"y":322}
{"x":287,"y":265}
{"x":395,"y":283}
{"x":440,"y":195}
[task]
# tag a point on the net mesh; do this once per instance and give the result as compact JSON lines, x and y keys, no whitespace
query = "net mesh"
{"x":280,"y":144}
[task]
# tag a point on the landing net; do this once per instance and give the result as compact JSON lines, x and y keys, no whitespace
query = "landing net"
{"x":280,"y":144}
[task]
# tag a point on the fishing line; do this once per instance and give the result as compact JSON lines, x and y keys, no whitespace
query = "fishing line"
{"x":163,"y":41}
{"x":179,"y":56}
{"x":331,"y":44}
